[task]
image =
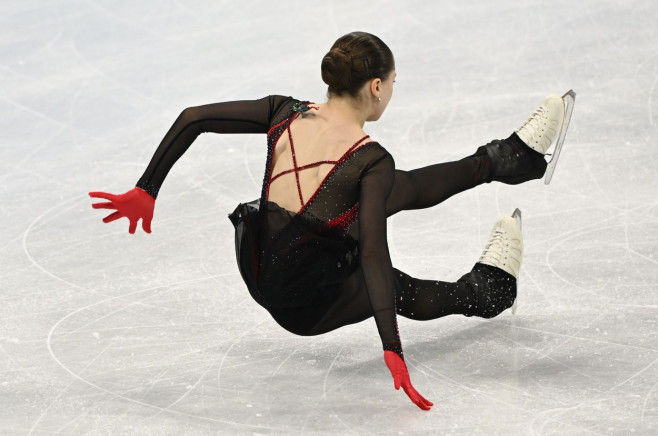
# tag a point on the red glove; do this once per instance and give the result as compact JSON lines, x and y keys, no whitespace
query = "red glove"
{"x":134,"y":204}
{"x":401,"y":378}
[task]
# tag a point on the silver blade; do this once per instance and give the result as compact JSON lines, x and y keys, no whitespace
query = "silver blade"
{"x":517,"y":217}
{"x":569,"y":101}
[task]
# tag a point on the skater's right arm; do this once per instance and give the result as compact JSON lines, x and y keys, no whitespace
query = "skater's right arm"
{"x":376,"y":185}
{"x":249,"y":116}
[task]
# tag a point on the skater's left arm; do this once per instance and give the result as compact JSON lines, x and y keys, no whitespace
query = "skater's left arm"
{"x":248,"y":116}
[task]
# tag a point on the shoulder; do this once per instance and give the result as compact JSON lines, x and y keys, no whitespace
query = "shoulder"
{"x":373,"y":158}
{"x":378,"y":148}
{"x":280,"y":107}
{"x":376,"y":152}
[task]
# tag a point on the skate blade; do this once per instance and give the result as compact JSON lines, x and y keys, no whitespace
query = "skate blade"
{"x":569,"y":100}
{"x":517,"y":217}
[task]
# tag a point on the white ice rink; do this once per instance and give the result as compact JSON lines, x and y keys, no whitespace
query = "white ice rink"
{"x":102,"y":332}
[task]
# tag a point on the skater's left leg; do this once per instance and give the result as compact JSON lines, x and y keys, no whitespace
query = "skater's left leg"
{"x":430,"y":299}
{"x":414,"y":298}
{"x":486,"y":291}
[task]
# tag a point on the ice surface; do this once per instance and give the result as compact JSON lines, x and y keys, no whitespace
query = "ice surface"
{"x":102,"y":332}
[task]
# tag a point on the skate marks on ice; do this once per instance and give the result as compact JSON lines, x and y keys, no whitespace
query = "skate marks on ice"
{"x":183,"y":351}
{"x":190,"y":368}
{"x":96,"y":343}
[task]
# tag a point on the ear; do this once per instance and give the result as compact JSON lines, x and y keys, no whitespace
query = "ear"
{"x":375,"y":87}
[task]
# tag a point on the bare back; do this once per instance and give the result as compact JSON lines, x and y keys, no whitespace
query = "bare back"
{"x":314,"y":144}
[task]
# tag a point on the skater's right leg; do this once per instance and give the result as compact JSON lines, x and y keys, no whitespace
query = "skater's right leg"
{"x":514,"y":160}
{"x":520,"y":157}
{"x":428,"y":186}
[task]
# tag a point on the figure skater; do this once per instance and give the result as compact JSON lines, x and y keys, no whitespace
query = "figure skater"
{"x":312,"y":249}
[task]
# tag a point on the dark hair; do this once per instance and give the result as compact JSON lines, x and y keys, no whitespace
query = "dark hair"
{"x":353,"y":60}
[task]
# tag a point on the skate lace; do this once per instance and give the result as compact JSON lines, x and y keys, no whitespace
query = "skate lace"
{"x":494,"y":248}
{"x":534,"y":122}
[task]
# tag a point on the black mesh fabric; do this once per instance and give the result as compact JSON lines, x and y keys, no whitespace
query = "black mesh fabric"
{"x":249,"y":116}
{"x":327,"y":265}
{"x":306,"y":256}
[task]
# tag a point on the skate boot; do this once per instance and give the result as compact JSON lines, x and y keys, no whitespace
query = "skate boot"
{"x":494,"y":277}
{"x":520,"y":157}
{"x":543,"y":126}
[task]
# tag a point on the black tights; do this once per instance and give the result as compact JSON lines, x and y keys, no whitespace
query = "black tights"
{"x":428,"y":186}
{"x":415,"y":298}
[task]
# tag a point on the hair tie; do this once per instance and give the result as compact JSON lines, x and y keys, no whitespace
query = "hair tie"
{"x":366,"y":64}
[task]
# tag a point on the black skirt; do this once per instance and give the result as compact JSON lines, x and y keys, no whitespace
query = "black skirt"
{"x":293,"y":265}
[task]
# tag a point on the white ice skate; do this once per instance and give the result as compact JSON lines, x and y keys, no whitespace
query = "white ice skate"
{"x":549,"y":121}
{"x":504,"y":249}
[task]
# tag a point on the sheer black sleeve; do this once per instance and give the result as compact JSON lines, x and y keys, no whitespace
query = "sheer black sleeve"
{"x":376,"y":184}
{"x":249,"y":116}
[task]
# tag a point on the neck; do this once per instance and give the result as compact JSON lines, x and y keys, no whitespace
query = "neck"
{"x":348,"y":109}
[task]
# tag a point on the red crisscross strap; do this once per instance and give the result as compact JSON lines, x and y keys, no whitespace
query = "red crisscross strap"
{"x":296,"y":168}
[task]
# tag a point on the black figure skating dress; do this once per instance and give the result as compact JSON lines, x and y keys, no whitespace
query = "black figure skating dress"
{"x":294,"y":263}
{"x":327,"y":265}
{"x":297,"y":263}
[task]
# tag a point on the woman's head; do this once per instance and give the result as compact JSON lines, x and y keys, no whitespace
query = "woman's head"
{"x":354,"y":60}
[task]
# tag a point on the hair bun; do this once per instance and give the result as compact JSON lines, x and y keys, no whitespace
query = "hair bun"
{"x":337,"y":69}
{"x":353,"y":60}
